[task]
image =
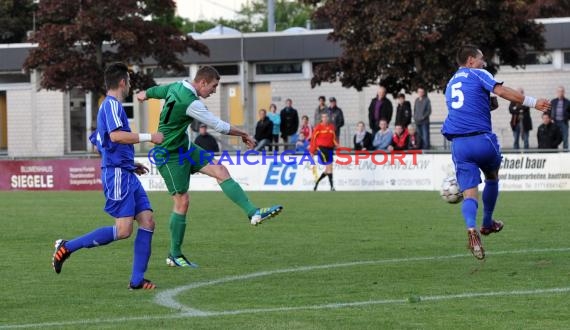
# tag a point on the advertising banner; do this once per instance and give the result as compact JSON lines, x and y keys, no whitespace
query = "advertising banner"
{"x":519,"y":172}
{"x":56,"y":174}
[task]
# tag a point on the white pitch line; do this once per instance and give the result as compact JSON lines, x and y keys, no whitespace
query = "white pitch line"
{"x":466,"y":295}
{"x":187,"y":312}
{"x":167,"y":298}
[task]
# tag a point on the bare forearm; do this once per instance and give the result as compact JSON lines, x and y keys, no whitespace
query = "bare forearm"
{"x":124,"y":137}
{"x":512,"y":95}
{"x":234,"y":131}
{"x":509,"y":94}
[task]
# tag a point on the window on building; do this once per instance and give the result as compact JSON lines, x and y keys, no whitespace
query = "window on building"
{"x":8,"y":78}
{"x":3,"y":122}
{"x":128,"y":106}
{"x":158,"y":72}
{"x":538,"y":58}
{"x":279,"y":68}
{"x":77,"y":121}
{"x":227,"y":70}
{"x":567,"y":57}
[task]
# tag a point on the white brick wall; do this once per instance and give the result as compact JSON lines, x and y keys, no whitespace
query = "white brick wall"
{"x":50,"y":123}
{"x":20,"y":133}
{"x":35,"y":123}
{"x":355,"y":104}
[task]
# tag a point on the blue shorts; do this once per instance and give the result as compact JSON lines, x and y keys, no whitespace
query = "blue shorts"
{"x":124,"y":194}
{"x":472,"y":154}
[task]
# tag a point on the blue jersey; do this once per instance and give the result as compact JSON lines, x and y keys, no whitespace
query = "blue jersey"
{"x":467,"y":96}
{"x":112,"y":117}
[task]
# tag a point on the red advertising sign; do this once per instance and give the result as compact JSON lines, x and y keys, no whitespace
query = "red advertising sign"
{"x":56,"y":174}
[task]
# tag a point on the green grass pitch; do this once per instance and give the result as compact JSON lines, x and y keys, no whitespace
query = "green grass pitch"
{"x":331,"y":260}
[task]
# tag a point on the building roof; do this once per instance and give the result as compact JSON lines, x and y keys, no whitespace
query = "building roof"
{"x":231,"y":46}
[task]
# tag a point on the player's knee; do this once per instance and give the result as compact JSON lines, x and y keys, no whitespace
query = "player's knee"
{"x":124,"y":232}
{"x":181,"y":203}
{"x":223,"y":173}
{"x":148,"y":224}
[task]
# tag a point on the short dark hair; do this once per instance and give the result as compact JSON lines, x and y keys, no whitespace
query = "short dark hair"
{"x":305,"y":117}
{"x":402,"y":95}
{"x":208,"y":73}
{"x":322,"y":97}
{"x":464,"y":52}
{"x":114,"y":73}
{"x":546,"y":114}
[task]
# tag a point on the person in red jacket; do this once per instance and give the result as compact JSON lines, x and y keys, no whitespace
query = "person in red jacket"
{"x":323,"y":142}
{"x":400,"y":139}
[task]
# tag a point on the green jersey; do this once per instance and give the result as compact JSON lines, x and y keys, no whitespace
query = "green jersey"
{"x":181,"y":107}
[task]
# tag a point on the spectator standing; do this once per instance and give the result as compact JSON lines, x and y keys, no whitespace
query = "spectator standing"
{"x":548,"y":134}
{"x":362,"y":138}
{"x":321,"y":108}
{"x":422,"y":111}
{"x":399,"y":139}
{"x":403,"y":111}
{"x":276,"y":120}
{"x":205,"y":140}
{"x":560,"y":107}
{"x":263,"y":131}
{"x":380,"y":109}
{"x":289,"y":121}
{"x":305,"y":128}
{"x":414,"y":140}
{"x":383,"y":137}
{"x":336,"y":116}
{"x":521,"y":123}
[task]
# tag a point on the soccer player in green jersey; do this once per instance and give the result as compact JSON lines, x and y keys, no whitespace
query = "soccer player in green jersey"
{"x":182,"y":105}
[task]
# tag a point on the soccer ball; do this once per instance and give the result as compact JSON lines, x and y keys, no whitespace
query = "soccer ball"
{"x":450,"y":191}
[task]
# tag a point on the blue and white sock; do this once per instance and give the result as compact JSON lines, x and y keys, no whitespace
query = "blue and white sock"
{"x":469,"y":210}
{"x":141,"y":255}
{"x":490,"y":195}
{"x":98,"y":237}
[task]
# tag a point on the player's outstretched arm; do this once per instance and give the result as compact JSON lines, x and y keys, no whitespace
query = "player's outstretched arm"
{"x":515,"y":96}
{"x":245,"y":137}
{"x":123,"y":137}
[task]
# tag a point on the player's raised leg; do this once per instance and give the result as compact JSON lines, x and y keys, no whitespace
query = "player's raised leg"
{"x":469,"y":211}
{"x":236,"y":194}
{"x":98,"y":237}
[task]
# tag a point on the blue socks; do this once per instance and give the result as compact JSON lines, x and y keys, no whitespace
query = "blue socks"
{"x":106,"y":235}
{"x":490,"y":195}
{"x":142,"y":255}
{"x":469,"y":210}
{"x":98,"y":237}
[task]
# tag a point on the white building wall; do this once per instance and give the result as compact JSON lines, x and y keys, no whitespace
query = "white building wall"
{"x":20,"y":133}
{"x":538,"y":82}
{"x":50,"y":123}
{"x":35,"y":123}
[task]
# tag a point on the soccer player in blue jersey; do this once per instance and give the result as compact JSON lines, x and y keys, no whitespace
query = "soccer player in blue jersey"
{"x":126,"y":199}
{"x":474,"y":146}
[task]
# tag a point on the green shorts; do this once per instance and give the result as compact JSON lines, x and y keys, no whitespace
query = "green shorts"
{"x":177,"y":170}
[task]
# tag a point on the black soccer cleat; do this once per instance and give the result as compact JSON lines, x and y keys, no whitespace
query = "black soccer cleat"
{"x":145,"y":285}
{"x":60,"y":255}
{"x":496,"y":226}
